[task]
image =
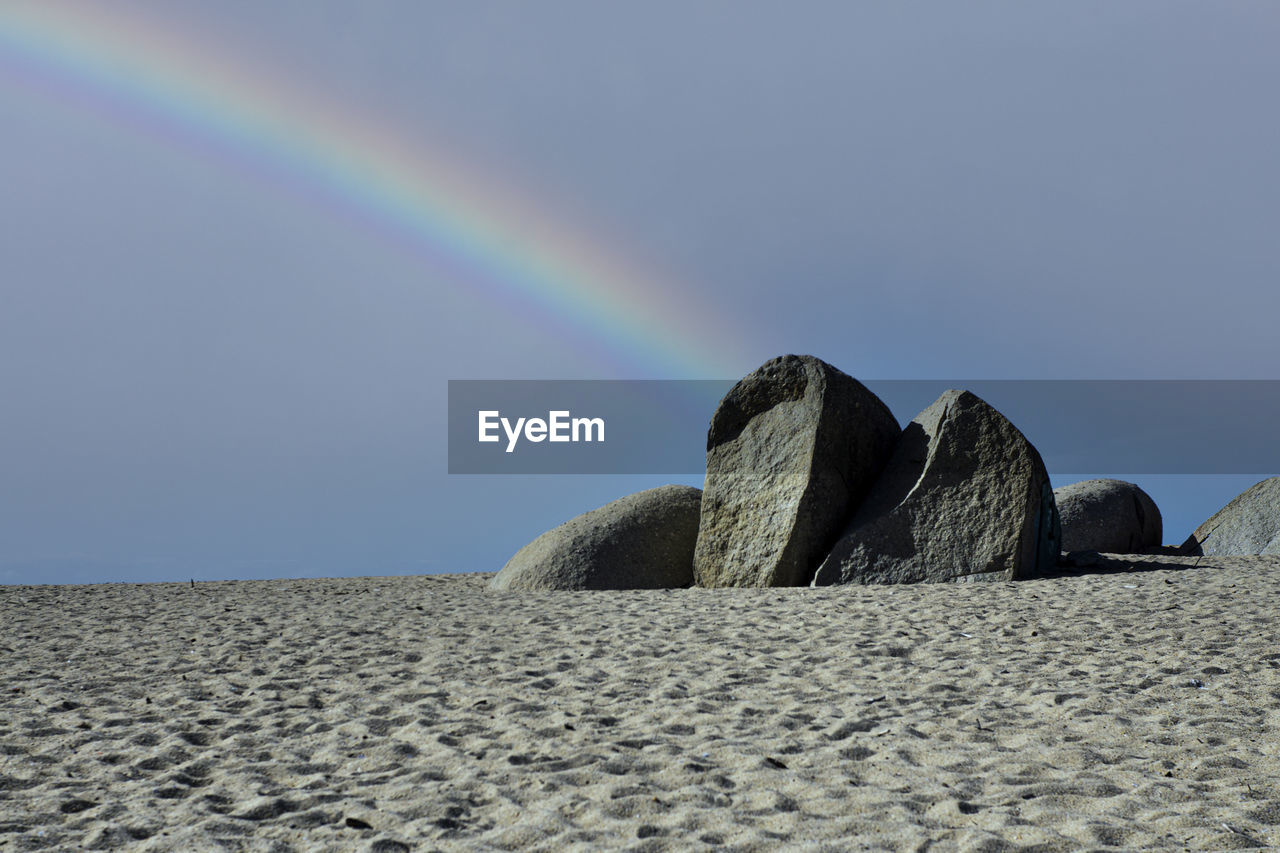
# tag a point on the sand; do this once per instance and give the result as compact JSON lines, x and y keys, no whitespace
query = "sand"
{"x":1128,"y":709}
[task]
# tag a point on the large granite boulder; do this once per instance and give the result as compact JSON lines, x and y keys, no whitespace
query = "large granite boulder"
{"x":1250,"y":524}
{"x":964,"y":497}
{"x":791,"y":451}
{"x":641,"y":541}
{"x":1110,"y":516}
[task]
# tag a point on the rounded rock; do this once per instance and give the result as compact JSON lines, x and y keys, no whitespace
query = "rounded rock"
{"x":641,"y":541}
{"x":1108,"y":516}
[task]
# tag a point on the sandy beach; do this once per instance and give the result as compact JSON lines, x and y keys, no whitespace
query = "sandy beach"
{"x":1133,"y":708}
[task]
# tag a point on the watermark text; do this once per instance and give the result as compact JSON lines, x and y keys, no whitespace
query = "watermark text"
{"x":559,"y":425}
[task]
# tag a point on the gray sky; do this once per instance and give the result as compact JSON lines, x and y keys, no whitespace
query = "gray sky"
{"x":208,"y":371}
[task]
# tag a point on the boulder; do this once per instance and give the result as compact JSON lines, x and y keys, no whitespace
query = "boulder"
{"x":641,"y":541}
{"x":791,"y":451}
{"x":1110,"y":516}
{"x":964,"y":497}
{"x":1250,"y":524}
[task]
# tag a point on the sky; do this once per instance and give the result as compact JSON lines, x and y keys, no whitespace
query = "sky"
{"x":245,"y":246}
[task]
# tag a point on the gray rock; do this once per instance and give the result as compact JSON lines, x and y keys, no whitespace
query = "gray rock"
{"x":641,"y":541}
{"x":1110,"y":516}
{"x":964,"y":497}
{"x":791,"y":451}
{"x":1250,"y":524}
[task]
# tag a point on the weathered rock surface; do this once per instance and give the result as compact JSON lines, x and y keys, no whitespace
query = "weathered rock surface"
{"x":965,"y":497}
{"x":1250,"y":524}
{"x":1110,"y":516}
{"x":641,"y":541}
{"x":792,"y":449}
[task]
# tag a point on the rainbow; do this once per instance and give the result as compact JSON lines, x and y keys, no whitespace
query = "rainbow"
{"x":145,"y":75}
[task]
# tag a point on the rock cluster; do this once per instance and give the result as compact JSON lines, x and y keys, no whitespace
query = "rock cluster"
{"x":811,"y":482}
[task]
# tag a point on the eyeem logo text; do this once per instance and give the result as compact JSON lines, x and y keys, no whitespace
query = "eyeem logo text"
{"x":558,"y":426}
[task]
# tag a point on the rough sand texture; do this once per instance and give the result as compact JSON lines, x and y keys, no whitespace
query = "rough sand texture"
{"x":430,"y":713}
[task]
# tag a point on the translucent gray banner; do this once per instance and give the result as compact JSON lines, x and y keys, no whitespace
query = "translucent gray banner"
{"x":660,"y":426}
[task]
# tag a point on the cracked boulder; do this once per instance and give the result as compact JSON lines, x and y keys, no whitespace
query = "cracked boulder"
{"x":964,"y":497}
{"x":791,"y":451}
